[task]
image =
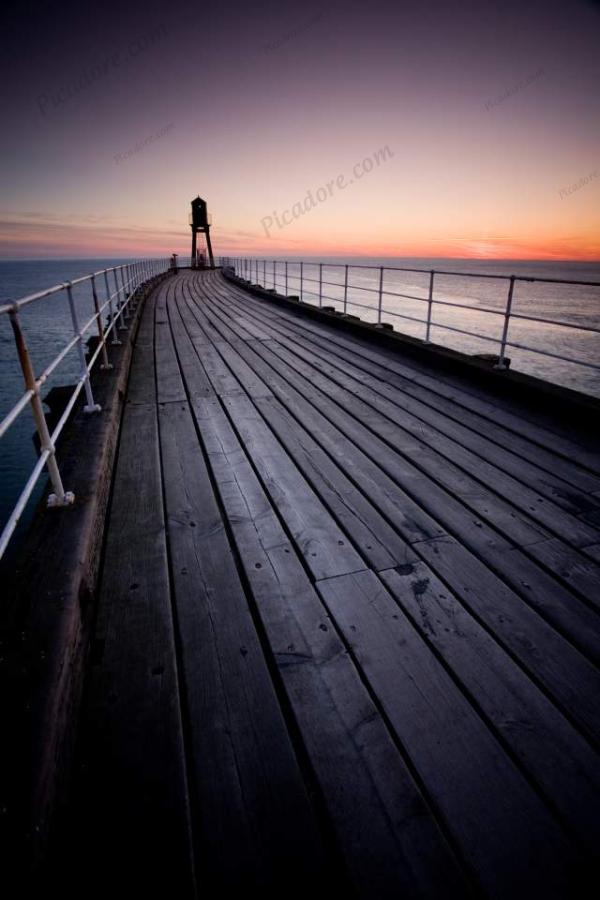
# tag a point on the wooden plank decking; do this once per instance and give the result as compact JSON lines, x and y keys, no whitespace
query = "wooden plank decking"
{"x":348,"y":627}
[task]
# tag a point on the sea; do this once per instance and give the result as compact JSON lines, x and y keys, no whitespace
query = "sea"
{"x":475,"y":303}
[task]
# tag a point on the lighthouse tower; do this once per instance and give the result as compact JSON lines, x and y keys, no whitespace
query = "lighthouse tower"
{"x":200,"y":223}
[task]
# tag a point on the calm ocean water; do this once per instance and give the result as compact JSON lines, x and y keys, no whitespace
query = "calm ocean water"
{"x":47,"y":324}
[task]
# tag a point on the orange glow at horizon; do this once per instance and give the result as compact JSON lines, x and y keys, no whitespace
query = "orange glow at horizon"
{"x":33,"y":237}
{"x":318,"y":135}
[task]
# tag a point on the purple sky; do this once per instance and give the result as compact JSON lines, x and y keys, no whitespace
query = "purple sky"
{"x":115,"y":117}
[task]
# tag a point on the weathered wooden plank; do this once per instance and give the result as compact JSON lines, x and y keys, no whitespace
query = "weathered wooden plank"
{"x":388,"y":846}
{"x":344,"y":437}
{"x":475,"y":438}
{"x":322,"y":544}
{"x":559,"y":667}
{"x":579,"y":570}
{"x":542,"y":592}
{"x":490,"y":808}
{"x":498,"y":409}
{"x":549,"y":749}
{"x":553,"y":662}
{"x":467,"y":475}
{"x":254,"y":819}
{"x":373,"y":536}
{"x":169,"y":387}
{"x":218,"y":364}
{"x":395,"y":871}
{"x":437,"y":391}
{"x":378,"y":543}
{"x":324,"y":547}
{"x":515,"y":526}
{"x":397,"y":409}
{"x":189,"y":344}
{"x":142,"y":386}
{"x":251,"y":792}
{"x":536,"y":745}
{"x":132,"y":811}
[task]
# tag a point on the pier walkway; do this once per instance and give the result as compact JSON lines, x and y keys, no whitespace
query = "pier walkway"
{"x":348,"y":624}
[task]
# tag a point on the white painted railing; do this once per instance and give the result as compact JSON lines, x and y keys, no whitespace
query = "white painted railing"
{"x":292,"y":275}
{"x":114,"y":293}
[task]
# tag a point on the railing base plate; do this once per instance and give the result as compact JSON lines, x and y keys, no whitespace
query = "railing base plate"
{"x":54,"y":503}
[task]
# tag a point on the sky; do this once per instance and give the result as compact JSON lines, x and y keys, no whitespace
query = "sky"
{"x":431,"y":129}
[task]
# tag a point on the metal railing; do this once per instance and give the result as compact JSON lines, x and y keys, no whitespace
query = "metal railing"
{"x":292,"y":274}
{"x":119,"y":286}
{"x":186,"y":262}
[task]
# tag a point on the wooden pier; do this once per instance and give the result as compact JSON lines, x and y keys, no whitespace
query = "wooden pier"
{"x":347,"y":633}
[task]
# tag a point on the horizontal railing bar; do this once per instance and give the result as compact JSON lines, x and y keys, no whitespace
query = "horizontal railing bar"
{"x":461,"y":274}
{"x":481,"y":337}
{"x":18,"y":304}
{"x":449,"y":303}
{"x":13,"y":519}
{"x":386,"y":312}
{"x":481,"y":309}
{"x":77,"y":388}
{"x":41,"y":295}
{"x":15,"y":411}
{"x":56,"y":362}
{"x":555,"y":322}
{"x":577,"y":362}
{"x":388,"y":293}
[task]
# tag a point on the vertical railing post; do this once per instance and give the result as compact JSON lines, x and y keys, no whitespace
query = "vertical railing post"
{"x":274,"y":279}
{"x":345,"y":289}
{"x":105,"y":363}
{"x":59,"y":497}
{"x":264,"y":284}
{"x":130,"y":285}
{"x":320,"y":284}
{"x":113,"y":322}
{"x":502,"y":364}
{"x":91,"y":406}
{"x":380,"y":295}
{"x":301,"y":278}
{"x":286,"y":278}
{"x":123,"y":294}
{"x":126,"y":293}
{"x":122,"y":326}
{"x":429,"y":307}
